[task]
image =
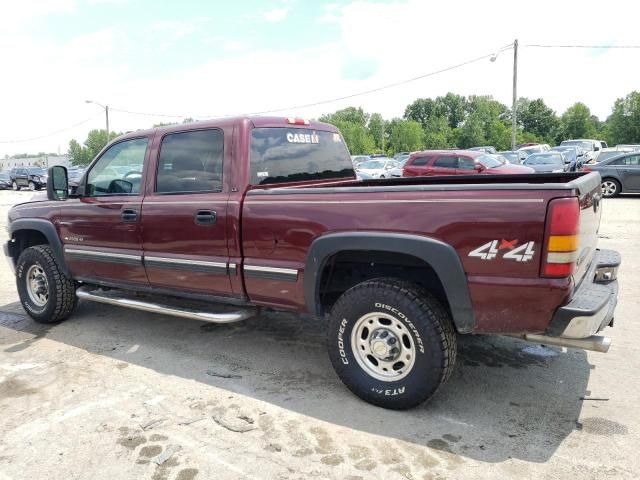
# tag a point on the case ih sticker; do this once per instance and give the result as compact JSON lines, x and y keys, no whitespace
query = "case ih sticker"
{"x":509,"y":249}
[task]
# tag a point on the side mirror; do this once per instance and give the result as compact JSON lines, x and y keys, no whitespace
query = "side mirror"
{"x":58,"y":183}
{"x":478,"y":167}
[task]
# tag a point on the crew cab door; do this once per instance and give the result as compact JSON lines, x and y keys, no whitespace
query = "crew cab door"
{"x":185,"y":213}
{"x":101,"y":230}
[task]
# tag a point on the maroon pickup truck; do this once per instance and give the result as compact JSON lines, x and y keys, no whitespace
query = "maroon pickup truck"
{"x":219,"y":219}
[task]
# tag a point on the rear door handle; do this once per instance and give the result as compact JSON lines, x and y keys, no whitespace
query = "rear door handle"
{"x":205,"y":217}
{"x":129,"y":215}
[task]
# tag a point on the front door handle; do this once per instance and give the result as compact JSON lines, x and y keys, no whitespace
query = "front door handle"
{"x":129,"y":215}
{"x":205,"y":217}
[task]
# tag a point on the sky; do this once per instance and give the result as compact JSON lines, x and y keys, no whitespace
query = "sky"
{"x":205,"y":59}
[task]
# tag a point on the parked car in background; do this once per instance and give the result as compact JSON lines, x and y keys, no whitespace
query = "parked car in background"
{"x":619,"y":174}
{"x":378,"y":167}
{"x":570,"y":156}
{"x":514,"y":156}
{"x":399,"y":155}
{"x":75,"y":175}
{"x":485,"y":149}
{"x":537,"y":148}
{"x":547,"y":162}
{"x":5,"y":180}
{"x":457,"y":162}
{"x":500,"y":158}
{"x":358,"y":159}
{"x":32,"y":177}
{"x":397,"y":171}
{"x":607,"y":153}
{"x":591,"y":148}
{"x":635,"y":148}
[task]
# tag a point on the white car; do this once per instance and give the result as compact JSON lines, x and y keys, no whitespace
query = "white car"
{"x":378,"y":167}
{"x":591,"y":148}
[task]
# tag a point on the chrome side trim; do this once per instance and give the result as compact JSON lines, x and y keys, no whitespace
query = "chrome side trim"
{"x":103,"y":256}
{"x":433,"y":200}
{"x":111,"y":297}
{"x":180,"y":261}
{"x":273,"y":273}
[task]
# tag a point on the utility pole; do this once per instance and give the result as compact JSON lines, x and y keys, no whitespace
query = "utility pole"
{"x":106,"y":111}
{"x":515,"y":94}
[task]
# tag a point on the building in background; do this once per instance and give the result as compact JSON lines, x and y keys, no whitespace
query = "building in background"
{"x":44,"y":161}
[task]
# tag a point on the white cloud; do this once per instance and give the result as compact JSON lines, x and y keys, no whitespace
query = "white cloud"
{"x":276,"y":14}
{"x":45,"y":84}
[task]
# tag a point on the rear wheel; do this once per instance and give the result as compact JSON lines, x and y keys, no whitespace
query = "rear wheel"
{"x":46,"y":293}
{"x":391,"y":343}
{"x":15,"y":186}
{"x":32,"y":186}
{"x":610,"y":187}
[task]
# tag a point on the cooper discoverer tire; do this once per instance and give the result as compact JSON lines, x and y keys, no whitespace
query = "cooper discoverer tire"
{"x":391,"y":343}
{"x":46,"y":293}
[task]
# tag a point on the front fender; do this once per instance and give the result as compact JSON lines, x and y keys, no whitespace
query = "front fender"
{"x":47,"y":229}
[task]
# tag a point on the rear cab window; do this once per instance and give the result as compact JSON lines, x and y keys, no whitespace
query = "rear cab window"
{"x":283,"y":154}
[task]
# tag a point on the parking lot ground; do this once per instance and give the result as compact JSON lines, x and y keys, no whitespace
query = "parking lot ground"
{"x":115,"y":393}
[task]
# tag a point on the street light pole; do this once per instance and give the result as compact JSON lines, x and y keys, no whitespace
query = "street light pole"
{"x":106,"y":113}
{"x":515,"y":94}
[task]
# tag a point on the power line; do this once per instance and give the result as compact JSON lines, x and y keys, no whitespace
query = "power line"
{"x":583,"y":46}
{"x":22,"y":140}
{"x":336,"y":99}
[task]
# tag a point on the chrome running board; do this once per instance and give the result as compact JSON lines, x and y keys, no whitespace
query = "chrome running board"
{"x":185,"y":309}
{"x":595,"y":343}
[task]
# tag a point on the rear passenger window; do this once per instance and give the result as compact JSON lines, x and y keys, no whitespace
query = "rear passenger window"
{"x":446,"y":162}
{"x":191,"y":162}
{"x":421,"y":161}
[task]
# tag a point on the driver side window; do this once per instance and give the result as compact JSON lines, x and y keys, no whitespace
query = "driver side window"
{"x":119,"y":170}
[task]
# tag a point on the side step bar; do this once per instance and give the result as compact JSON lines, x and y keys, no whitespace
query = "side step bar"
{"x":195,"y":311}
{"x":595,"y":343}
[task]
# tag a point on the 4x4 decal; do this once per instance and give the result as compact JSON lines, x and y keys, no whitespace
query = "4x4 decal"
{"x":509,"y":249}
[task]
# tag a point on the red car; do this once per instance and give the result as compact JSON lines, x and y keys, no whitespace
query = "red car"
{"x":457,"y":162}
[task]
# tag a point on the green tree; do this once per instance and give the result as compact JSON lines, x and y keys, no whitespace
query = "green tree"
{"x":623,"y":125}
{"x":349,"y":114}
{"x":423,"y":110}
{"x":576,"y":122}
{"x":78,"y":154}
{"x":357,"y":137}
{"x":535,"y":117}
{"x":454,"y":108}
{"x":376,"y":128}
{"x":438,"y":134}
{"x":471,"y":134}
{"x":406,"y":136}
{"x":84,"y":154}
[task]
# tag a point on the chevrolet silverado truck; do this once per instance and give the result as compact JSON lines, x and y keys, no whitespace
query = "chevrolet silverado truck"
{"x":219,"y":219}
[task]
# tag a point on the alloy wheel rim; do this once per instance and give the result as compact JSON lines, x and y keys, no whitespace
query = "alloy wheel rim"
{"x":383,"y":346}
{"x":609,"y":188}
{"x":37,"y":285}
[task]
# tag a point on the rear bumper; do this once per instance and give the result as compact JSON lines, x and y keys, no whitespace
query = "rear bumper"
{"x":594,"y":301}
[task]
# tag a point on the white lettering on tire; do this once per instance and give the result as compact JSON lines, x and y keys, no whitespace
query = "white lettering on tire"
{"x":409,"y":323}
{"x":343,"y":354}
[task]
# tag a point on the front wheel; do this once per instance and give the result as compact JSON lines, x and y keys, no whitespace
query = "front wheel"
{"x":15,"y":186}
{"x":32,"y":186}
{"x":46,"y":293}
{"x":610,"y":187}
{"x":391,"y":343}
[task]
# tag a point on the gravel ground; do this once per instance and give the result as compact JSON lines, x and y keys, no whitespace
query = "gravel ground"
{"x":114,"y":393}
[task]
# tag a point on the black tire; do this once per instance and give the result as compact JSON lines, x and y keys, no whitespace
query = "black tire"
{"x":427,"y":324}
{"x":61,"y":289}
{"x":32,"y":186}
{"x":15,"y":186}
{"x":611,"y":187}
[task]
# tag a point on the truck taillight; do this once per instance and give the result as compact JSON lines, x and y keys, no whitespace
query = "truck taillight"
{"x":561,"y":238}
{"x":297,"y":121}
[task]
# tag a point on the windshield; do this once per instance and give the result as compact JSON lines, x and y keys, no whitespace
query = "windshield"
{"x":296,"y":155}
{"x":578,"y":143}
{"x":544,"y":160}
{"x":371,"y":165}
{"x":488,"y":162}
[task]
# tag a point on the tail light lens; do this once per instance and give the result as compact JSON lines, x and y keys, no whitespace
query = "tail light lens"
{"x":561,"y":238}
{"x":586,"y":169}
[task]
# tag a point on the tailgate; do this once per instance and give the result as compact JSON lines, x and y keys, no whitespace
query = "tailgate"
{"x":590,"y":198}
